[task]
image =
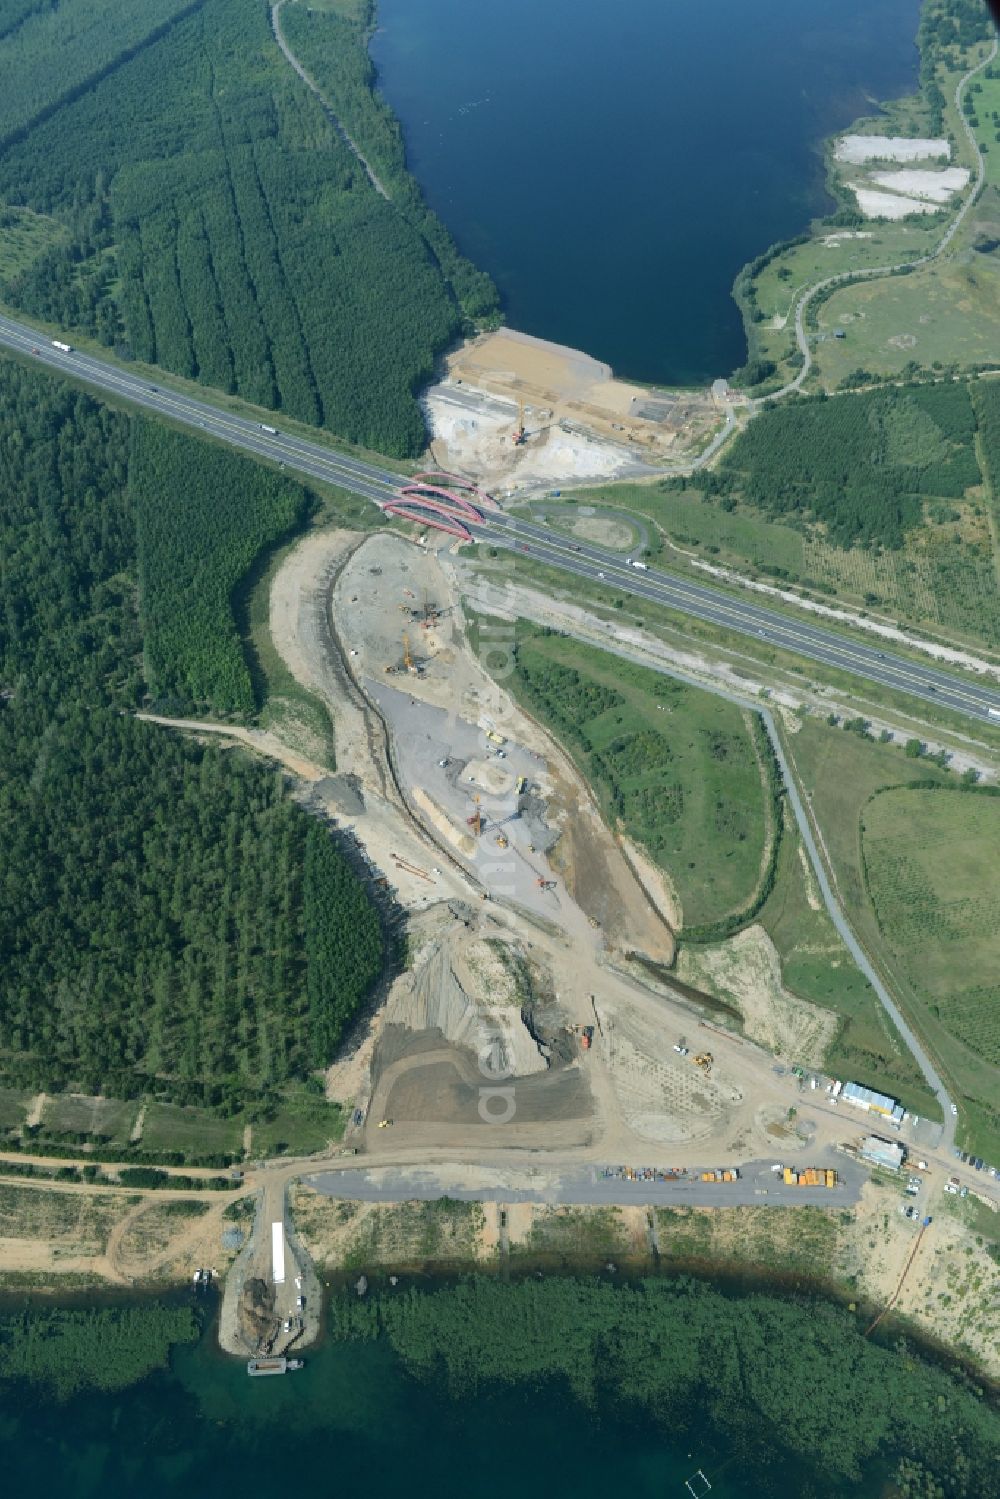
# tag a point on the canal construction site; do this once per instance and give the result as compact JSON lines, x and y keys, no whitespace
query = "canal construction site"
{"x":528,"y":1051}
{"x":536,"y":1008}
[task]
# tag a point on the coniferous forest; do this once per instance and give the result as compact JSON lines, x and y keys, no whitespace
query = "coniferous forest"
{"x":169,"y":919}
{"x":213,"y":221}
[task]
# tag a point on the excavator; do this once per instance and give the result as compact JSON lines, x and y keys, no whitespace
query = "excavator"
{"x":519,"y":435}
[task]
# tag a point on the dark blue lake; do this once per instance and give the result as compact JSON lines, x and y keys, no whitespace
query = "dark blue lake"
{"x":613,"y":165}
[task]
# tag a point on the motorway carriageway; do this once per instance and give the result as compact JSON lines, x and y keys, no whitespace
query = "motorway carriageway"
{"x":311,"y":459}
{"x":732,"y":613}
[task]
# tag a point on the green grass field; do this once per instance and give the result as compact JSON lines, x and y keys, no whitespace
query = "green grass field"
{"x":675,"y":767}
{"x":854,"y":782}
{"x":947,"y":312}
{"x":829,"y":252}
{"x":69,"y":1113}
{"x":303,"y":1125}
{"x":816,"y":965}
{"x":13,"y":1107}
{"x":167,"y":1126}
{"x":930,"y":859}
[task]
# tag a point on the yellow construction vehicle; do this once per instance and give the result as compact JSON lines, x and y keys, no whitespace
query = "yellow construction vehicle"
{"x":384,"y":1123}
{"x":704,"y":1060}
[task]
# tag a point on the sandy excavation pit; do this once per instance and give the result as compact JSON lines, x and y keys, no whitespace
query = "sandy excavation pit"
{"x":580,"y":422}
{"x":440,"y":712}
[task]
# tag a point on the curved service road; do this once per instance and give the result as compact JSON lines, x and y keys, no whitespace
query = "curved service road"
{"x":887,"y":270}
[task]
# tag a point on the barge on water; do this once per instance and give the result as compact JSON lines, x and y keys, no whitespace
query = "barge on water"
{"x":256,"y":1367}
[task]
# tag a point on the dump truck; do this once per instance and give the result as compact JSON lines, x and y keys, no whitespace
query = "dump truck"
{"x":810,"y":1176}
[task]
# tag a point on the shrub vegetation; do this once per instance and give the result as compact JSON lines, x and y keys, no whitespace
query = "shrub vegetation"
{"x":66,"y":1350}
{"x":861,"y":465}
{"x":785,"y":1376}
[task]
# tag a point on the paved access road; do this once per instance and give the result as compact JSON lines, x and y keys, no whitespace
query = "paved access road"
{"x":759,"y":1186}
{"x":732,"y":612}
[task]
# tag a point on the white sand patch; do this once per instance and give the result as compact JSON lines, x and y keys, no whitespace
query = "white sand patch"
{"x":832,"y":241}
{"x":936,"y":187}
{"x":859,"y":148}
{"x":570,"y":455}
{"x":877,"y":205}
{"x":471,"y":430}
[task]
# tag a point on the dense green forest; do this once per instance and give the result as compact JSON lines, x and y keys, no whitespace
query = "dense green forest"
{"x":986,"y":399}
{"x":333,"y":47}
{"x":219,"y":226}
{"x":861,"y":465}
{"x":66,"y":1350}
{"x":778,"y":1376}
{"x":88,"y":37}
{"x":203,"y":515}
{"x":169,"y":918}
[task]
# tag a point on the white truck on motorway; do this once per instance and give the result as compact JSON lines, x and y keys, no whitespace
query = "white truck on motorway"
{"x":63,"y":348}
{"x":271,"y":431}
{"x":642,"y":567}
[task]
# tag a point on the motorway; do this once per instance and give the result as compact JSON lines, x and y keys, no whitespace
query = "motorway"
{"x":965,"y":696}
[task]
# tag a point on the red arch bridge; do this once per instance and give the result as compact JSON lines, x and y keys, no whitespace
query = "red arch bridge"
{"x":448,"y":502}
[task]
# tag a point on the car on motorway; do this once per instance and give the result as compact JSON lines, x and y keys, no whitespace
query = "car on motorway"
{"x":600,"y":575}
